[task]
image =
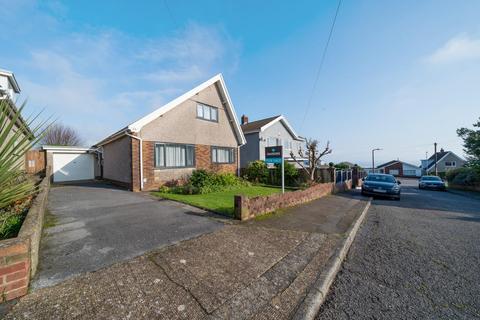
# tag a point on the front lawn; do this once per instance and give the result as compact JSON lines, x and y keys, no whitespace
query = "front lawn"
{"x":220,"y":201}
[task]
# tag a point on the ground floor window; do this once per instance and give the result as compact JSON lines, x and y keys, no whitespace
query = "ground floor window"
{"x":173,"y":155}
{"x":223,"y":155}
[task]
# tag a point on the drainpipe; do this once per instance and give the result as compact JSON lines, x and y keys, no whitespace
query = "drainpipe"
{"x":141,"y":158}
{"x":238,"y":161}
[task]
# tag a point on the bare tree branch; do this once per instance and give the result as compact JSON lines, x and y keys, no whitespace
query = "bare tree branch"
{"x":313,"y":156}
{"x":61,"y":135}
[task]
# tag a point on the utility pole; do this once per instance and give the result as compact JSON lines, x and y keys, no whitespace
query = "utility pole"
{"x":373,"y":158}
{"x":436,"y":159}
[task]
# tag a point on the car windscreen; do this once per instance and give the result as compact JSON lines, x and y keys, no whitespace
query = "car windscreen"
{"x":380,"y":178}
{"x":431,"y":179}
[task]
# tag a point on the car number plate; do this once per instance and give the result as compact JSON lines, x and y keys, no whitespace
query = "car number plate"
{"x":380,"y":190}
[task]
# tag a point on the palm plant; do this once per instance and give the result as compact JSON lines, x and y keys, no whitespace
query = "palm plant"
{"x":17,"y":136}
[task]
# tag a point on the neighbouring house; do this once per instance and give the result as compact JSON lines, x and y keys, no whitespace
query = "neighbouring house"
{"x":198,"y":130}
{"x":399,"y":169}
{"x":446,"y":160}
{"x":269,"y":132}
{"x":9,"y":89}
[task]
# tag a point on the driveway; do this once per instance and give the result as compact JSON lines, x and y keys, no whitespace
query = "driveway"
{"x":417,"y":258}
{"x":93,"y":225}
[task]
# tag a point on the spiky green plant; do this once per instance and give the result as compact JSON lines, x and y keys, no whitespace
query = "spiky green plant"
{"x":16,"y":138}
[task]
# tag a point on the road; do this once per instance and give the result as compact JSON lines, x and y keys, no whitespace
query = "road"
{"x":418,"y":258}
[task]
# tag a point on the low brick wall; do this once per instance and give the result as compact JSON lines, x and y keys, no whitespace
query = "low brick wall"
{"x":19,"y":256}
{"x":250,"y":207}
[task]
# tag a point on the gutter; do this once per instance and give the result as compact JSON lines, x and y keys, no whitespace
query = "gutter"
{"x":141,"y":158}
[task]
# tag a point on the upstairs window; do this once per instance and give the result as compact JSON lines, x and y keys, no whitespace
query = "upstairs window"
{"x":450,"y":164}
{"x":207,"y":112}
{"x":223,"y":155}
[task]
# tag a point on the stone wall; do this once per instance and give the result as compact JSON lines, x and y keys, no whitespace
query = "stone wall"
{"x":19,"y":256}
{"x":466,"y":188}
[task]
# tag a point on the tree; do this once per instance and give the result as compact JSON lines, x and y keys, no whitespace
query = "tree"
{"x":61,"y":135}
{"x":313,"y":155}
{"x":471,"y":143}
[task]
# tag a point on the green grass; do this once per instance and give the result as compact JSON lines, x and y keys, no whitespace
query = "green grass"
{"x":222,"y":201}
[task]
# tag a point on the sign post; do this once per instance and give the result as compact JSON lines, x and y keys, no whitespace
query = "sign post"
{"x":275,"y":155}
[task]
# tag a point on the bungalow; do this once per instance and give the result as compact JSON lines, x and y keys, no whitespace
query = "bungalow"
{"x":399,"y":168}
{"x":268,"y":132}
{"x":198,"y":130}
{"x":446,"y":160}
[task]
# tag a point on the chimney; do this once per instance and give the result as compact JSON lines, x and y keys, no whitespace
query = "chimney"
{"x":244,"y":119}
{"x":441,"y":150}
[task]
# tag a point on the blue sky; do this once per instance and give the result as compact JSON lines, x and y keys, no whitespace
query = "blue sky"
{"x":398,"y":75}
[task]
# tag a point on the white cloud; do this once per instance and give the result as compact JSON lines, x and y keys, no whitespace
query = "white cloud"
{"x":459,"y":48}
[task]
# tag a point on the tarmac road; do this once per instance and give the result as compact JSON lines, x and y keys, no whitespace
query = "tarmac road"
{"x":418,"y":258}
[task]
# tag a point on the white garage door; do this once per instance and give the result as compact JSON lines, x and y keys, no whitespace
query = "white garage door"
{"x":72,"y":166}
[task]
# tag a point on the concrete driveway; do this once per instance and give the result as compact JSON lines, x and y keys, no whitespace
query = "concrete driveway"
{"x":93,"y":225}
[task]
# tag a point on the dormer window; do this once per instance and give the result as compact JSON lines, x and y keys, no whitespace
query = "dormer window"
{"x":207,"y":112}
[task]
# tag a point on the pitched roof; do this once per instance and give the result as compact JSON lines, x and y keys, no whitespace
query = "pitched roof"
{"x":440,"y":156}
{"x":216,"y":80}
{"x":386,"y":164}
{"x":257,"y":125}
{"x":262,"y":124}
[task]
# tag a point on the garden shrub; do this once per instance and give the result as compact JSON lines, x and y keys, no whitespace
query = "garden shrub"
{"x":202,"y":181}
{"x":257,"y":171}
{"x":291,"y":173}
{"x":468,"y":176}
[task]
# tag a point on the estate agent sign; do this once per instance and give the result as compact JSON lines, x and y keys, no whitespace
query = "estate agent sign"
{"x":274,"y":155}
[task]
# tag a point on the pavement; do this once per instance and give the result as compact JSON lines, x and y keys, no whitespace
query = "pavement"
{"x":257,"y":270}
{"x":417,"y":258}
{"x":93,"y":225}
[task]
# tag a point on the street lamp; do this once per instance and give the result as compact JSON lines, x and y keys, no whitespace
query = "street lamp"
{"x":373,"y":158}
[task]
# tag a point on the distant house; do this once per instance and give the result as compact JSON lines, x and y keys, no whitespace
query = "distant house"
{"x":446,"y":160}
{"x":198,"y":130}
{"x":9,"y":88}
{"x":399,"y":169}
{"x":268,"y":132}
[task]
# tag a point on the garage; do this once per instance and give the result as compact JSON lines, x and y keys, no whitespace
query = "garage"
{"x":71,"y":163}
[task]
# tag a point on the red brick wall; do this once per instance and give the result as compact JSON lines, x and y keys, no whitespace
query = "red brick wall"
{"x":248,"y":208}
{"x":14,"y":268}
{"x":203,"y":158}
{"x":396,"y":166}
{"x":135,"y":165}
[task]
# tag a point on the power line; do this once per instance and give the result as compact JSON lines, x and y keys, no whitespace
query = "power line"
{"x":322,"y":60}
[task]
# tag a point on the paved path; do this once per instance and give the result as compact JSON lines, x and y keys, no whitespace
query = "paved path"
{"x":247,"y":271}
{"x":418,"y":258}
{"x":96,"y":225}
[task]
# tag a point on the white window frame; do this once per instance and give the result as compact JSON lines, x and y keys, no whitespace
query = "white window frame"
{"x":204,"y":109}
{"x":231,"y":155}
{"x":451,"y":164}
